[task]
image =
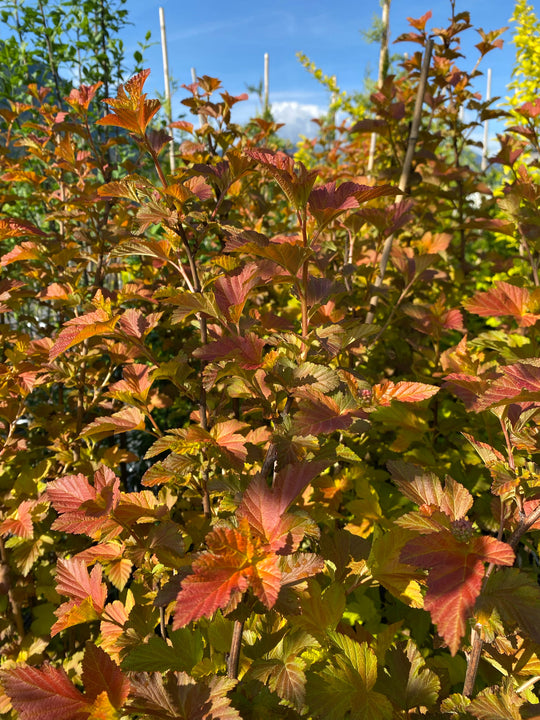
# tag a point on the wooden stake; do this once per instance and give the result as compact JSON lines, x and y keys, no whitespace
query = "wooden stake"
{"x":486,"y":122}
{"x":383,"y":56}
{"x":167,"y":83}
{"x":266,"y":84}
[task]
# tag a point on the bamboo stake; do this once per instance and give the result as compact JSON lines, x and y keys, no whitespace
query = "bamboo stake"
{"x":266,"y":85}
{"x":383,"y":55}
{"x":405,"y":172}
{"x":167,"y":83}
{"x":486,"y":123}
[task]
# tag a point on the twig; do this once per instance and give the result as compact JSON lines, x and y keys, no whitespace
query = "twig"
{"x":473,"y":660}
{"x":236,"y":646}
{"x":405,"y":173}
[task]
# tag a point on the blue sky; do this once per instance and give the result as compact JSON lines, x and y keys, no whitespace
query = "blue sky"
{"x":228,"y":38}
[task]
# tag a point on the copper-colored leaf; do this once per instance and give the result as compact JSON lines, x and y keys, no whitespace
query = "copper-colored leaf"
{"x":456,"y":571}
{"x":24,"y":251}
{"x":95,"y":323}
{"x":383,"y":393}
{"x":506,"y":299}
{"x":130,"y":418}
{"x":101,"y":674}
{"x":517,"y":382}
{"x":319,"y":414}
{"x":233,"y":562}
{"x":47,"y":694}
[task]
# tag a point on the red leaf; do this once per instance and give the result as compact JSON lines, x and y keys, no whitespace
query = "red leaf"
{"x":265,"y":510}
{"x":81,"y":98}
{"x":232,"y":291}
{"x":319,"y":413}
{"x":467,"y":388}
{"x":101,"y":674}
{"x":294,"y":179}
{"x":85,"y":509}
{"x":385,"y":392}
{"x":505,"y":299}
{"x":420,"y":23}
{"x":226,"y":436}
{"x":135,"y":324}
{"x":328,"y":201}
{"x":456,"y":570}
{"x":517,"y":382}
{"x":247,"y":350}
{"x":15,"y":227}
{"x":67,"y":494}
{"x":137,"y":381}
{"x":45,"y":694}
{"x":73,"y":580}
{"x":81,"y":328}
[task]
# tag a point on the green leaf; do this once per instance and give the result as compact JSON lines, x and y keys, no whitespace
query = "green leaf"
{"x":516,"y":597}
{"x":489,"y":705}
{"x":346,"y":685}
{"x":158,"y":656}
{"x":406,"y":680}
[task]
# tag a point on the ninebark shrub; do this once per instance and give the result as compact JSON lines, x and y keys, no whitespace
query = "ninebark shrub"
{"x":232,"y":484}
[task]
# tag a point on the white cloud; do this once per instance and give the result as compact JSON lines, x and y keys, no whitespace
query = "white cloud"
{"x":297,"y":118}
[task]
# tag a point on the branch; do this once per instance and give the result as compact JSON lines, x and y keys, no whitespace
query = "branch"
{"x":405,"y":173}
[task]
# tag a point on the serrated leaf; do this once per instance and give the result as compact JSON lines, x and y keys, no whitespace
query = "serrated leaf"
{"x":45,"y":694}
{"x":406,"y":680}
{"x":131,"y":109}
{"x":101,"y":674}
{"x":320,"y":414}
{"x":130,"y":418}
{"x":386,"y":567}
{"x":155,"y":656}
{"x":345,"y":687}
{"x":293,"y":178}
{"x":516,"y":383}
{"x":456,"y":571}
{"x":96,"y":323}
{"x":425,"y":489}
{"x":73,"y":580}
{"x":321,"y":611}
{"x":74,"y":612}
{"x":233,"y":562}
{"x":490,"y":705}
{"x":516,"y":597}
{"x":385,"y":392}
{"x":506,"y":299}
{"x":247,"y":350}
{"x":264,"y":509}
{"x":179,"y":697}
{"x":24,"y":251}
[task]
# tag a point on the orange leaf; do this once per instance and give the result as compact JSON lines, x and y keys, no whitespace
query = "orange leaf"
{"x":506,"y":299}
{"x":385,"y":392}
{"x":130,"y":418}
{"x":131,"y":109}
{"x":78,"y":329}
{"x":233,"y":562}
